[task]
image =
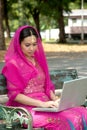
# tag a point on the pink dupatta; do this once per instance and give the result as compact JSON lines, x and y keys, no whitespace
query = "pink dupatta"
{"x":17,"y":69}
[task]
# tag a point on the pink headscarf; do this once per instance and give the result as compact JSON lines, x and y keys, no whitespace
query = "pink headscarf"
{"x":16,"y":65}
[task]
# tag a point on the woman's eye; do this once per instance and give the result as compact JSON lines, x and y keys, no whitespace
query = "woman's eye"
{"x":34,"y":44}
{"x":27,"y":45}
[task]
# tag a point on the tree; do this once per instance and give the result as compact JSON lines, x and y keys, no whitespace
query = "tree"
{"x":44,"y":14}
{"x":34,"y":8}
{"x":62,"y":38}
{"x":2,"y":40}
{"x":6,"y":18}
{"x":57,"y":8}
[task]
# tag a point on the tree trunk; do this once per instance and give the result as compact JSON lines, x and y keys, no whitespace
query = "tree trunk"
{"x":62,"y":38}
{"x":2,"y":40}
{"x":36,"y":20}
{"x":6,"y":18}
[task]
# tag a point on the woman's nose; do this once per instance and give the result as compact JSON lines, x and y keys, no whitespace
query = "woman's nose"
{"x":31,"y":47}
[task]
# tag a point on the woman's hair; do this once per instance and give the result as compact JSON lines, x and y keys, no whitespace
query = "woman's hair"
{"x":27,"y":32}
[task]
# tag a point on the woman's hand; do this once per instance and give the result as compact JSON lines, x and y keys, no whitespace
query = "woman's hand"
{"x":52,"y":104}
{"x":53,"y":96}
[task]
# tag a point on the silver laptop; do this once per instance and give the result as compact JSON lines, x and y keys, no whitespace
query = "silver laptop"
{"x":73,"y":94}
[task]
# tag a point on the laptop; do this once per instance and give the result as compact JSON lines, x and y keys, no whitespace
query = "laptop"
{"x":73,"y":94}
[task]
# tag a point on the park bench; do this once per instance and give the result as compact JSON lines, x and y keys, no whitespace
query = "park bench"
{"x":14,"y":117}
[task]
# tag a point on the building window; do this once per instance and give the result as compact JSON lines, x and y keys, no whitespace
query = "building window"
{"x":74,"y":20}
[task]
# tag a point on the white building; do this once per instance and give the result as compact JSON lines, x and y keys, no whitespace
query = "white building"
{"x":77,"y":24}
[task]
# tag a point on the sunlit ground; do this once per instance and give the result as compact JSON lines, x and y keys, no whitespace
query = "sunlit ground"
{"x":58,"y":50}
{"x":65,"y":47}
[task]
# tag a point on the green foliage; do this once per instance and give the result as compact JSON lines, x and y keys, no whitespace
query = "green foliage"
{"x":76,"y":4}
{"x":21,"y":12}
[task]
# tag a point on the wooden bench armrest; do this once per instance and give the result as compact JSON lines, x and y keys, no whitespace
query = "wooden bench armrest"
{"x":3,"y":99}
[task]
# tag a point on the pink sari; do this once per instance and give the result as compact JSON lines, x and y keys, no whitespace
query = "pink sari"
{"x":33,"y":81}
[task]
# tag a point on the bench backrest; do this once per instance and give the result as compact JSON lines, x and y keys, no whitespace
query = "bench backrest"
{"x":3,"y":89}
{"x":57,"y":76}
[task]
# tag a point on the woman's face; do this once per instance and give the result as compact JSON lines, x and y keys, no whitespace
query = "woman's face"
{"x":29,"y":46}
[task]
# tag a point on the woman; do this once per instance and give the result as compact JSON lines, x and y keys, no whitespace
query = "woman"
{"x":29,"y":84}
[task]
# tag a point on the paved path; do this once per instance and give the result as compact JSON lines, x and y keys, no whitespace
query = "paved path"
{"x":69,"y":62}
{"x":66,"y":62}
